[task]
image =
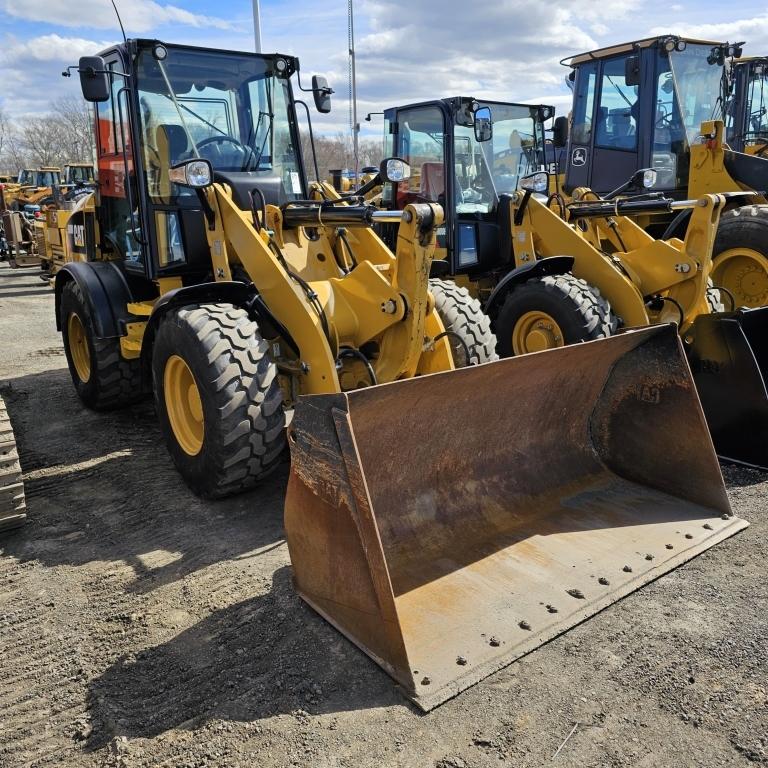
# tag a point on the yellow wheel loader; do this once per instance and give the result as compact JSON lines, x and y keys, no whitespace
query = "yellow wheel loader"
{"x":662,"y":103}
{"x":446,"y":521}
{"x":552,"y":273}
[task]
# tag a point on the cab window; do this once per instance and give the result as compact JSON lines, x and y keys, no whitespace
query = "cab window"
{"x":616,"y":118}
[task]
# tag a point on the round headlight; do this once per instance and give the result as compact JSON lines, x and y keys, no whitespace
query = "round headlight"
{"x":281,"y":66}
{"x":649,"y":178}
{"x":198,"y":173}
{"x":669,"y":45}
{"x":160,"y":52}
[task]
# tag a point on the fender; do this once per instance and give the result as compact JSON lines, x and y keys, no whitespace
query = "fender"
{"x":232,"y":292}
{"x":552,"y":265}
{"x":106,"y":292}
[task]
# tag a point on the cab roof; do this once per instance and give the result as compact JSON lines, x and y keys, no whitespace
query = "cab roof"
{"x":614,"y":50}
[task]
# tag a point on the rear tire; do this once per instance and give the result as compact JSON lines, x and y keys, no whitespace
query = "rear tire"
{"x":740,"y":255}
{"x":466,"y":323}
{"x":231,"y":432}
{"x":103,"y":378}
{"x":552,"y":311}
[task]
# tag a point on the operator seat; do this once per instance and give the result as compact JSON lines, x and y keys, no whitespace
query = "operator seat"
{"x":432,"y":181}
{"x":172,"y":147}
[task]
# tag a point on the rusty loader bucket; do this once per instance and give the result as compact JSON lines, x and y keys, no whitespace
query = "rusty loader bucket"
{"x":451,"y":523}
{"x":729,"y":359}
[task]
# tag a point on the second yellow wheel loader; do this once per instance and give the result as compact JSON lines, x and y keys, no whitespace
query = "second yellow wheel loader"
{"x":662,"y":103}
{"x":431,"y":513}
{"x":551,"y":273}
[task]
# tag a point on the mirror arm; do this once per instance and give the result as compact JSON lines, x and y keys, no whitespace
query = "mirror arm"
{"x":91,"y":71}
{"x":328,"y":91}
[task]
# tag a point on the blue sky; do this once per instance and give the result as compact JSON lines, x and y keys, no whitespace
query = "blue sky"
{"x":407,"y":49}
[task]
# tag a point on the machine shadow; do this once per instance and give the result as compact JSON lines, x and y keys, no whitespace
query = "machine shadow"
{"x":741,"y":476}
{"x":263,"y":656}
{"x":13,"y":293}
{"x":101,"y":486}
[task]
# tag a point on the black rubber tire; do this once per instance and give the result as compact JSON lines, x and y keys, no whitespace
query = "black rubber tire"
{"x":578,"y":308}
{"x":462,"y":315}
{"x":244,"y":420}
{"x":114,"y":381}
{"x":743,"y":227}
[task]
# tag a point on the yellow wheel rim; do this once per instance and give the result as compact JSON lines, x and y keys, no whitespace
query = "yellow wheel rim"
{"x":536,"y":331}
{"x":78,"y":347}
{"x":744,"y":273}
{"x":183,"y":405}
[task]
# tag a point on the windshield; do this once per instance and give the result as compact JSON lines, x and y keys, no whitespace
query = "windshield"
{"x":25,"y":177}
{"x":693,"y":90}
{"x":225,"y":107}
{"x":48,"y":178}
{"x":80,"y":174}
{"x":485,"y":170}
{"x":756,"y":123}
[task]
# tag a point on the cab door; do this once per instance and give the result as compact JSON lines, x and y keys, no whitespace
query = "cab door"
{"x":118,"y":209}
{"x":604,"y":141}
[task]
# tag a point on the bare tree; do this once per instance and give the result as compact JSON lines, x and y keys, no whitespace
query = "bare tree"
{"x":336,"y":153}
{"x":76,"y":118}
{"x":43,"y":139}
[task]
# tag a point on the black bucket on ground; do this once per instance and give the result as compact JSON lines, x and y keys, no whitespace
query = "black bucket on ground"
{"x":728,"y":353}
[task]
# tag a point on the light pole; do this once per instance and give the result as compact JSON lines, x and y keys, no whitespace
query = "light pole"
{"x":257,"y":25}
{"x":353,"y":88}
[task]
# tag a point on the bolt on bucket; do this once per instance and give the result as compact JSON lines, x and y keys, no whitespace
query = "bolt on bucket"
{"x":729,"y":358}
{"x":451,"y":523}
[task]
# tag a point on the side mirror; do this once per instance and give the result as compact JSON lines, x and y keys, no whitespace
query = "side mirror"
{"x":632,"y":70}
{"x":94,"y":80}
{"x":394,"y":170}
{"x":483,"y":124}
{"x":560,"y":131}
{"x":322,"y":94}
{"x":196,"y":173}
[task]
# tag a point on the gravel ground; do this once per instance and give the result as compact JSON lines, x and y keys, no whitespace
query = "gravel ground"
{"x":141,"y":626}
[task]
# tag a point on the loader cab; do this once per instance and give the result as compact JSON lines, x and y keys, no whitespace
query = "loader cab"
{"x":160,"y":105}
{"x":47,"y":177}
{"x":466,"y":155}
{"x":78,"y":173}
{"x":747,"y":110}
{"x":641,"y":105}
{"x":26,"y":177}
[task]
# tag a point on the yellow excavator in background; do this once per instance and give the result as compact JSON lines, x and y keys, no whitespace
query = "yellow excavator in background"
{"x":434,"y":508}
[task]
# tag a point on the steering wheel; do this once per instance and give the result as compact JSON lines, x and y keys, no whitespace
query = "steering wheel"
{"x":245,"y":151}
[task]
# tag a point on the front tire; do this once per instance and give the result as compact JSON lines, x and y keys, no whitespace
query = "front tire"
{"x":103,"y":378}
{"x":549,"y":312}
{"x":740,"y":255}
{"x":218,"y":398}
{"x":468,"y":327}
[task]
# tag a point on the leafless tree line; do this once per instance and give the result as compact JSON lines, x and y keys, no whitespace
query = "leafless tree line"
{"x":337,"y":153}
{"x":65,"y":134}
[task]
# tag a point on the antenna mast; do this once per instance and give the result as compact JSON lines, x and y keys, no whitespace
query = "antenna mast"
{"x":355,"y":126}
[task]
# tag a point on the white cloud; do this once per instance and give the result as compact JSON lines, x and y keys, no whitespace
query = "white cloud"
{"x":753,"y":30}
{"x":138,"y":16}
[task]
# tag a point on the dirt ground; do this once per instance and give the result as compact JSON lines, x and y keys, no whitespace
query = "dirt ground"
{"x":140,"y":626}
